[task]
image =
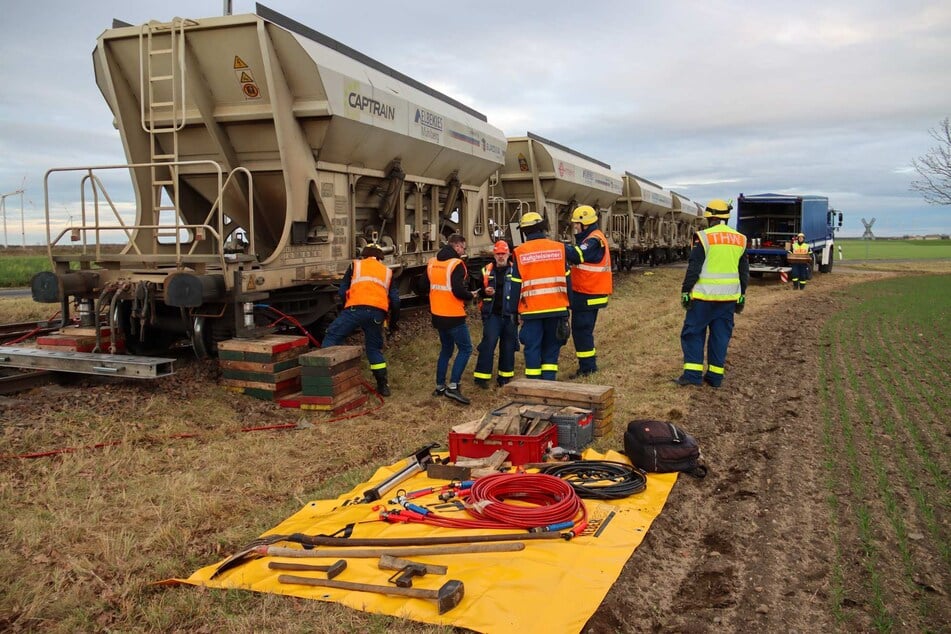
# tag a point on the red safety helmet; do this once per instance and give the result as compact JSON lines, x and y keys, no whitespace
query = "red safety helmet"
{"x":501,"y":248}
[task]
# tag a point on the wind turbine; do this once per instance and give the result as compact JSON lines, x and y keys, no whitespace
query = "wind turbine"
{"x":3,"y":210}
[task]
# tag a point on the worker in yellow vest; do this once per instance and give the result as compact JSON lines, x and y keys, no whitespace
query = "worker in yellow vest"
{"x":369,"y":297}
{"x":591,"y":284}
{"x":448,"y":294}
{"x":713,"y":289}
{"x":800,"y":272}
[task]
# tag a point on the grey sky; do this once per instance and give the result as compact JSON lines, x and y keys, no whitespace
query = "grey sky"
{"x":709,"y":98}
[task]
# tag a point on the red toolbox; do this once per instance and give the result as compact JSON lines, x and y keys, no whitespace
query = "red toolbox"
{"x":521,"y":449}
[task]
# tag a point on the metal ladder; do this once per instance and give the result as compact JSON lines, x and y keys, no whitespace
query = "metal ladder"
{"x":162,"y":90}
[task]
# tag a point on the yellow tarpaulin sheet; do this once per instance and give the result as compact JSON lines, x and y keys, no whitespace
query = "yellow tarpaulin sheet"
{"x":550,"y":586}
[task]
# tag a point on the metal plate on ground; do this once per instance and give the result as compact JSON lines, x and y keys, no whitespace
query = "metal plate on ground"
{"x":122,"y":365}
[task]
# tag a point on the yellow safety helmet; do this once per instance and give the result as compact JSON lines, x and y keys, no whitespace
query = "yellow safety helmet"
{"x":585,"y":214}
{"x":530,"y":219}
{"x":718,"y":208}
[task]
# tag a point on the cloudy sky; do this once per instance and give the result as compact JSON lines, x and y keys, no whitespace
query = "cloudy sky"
{"x":710,"y":98}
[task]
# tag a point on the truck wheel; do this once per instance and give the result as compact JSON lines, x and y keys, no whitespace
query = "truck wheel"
{"x":827,"y":268}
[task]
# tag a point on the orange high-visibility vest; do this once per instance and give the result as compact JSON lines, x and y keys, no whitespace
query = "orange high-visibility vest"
{"x":594,"y":278}
{"x":441,"y":300}
{"x":369,"y":284}
{"x":542,"y":270}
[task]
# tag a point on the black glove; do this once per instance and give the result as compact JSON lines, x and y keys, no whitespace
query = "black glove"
{"x":740,"y":304}
{"x":685,"y":300}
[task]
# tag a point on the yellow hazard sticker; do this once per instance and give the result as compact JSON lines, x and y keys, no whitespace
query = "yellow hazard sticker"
{"x":245,"y":77}
{"x":239,"y":63}
{"x":251,"y":284}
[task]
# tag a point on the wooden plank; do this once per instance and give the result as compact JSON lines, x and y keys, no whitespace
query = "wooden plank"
{"x":332,"y":389}
{"x":313,"y":370}
{"x":260,"y":357}
{"x":262,"y":377}
{"x":260,"y":385}
{"x":333,"y":400}
{"x":329,"y":357}
{"x":251,"y":366}
{"x":572,"y":392}
{"x":329,"y":381}
{"x":269,"y":344}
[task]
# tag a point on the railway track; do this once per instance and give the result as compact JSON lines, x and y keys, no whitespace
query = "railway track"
{"x":12,"y":332}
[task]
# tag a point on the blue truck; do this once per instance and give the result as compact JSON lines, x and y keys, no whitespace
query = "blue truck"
{"x":771,"y":222}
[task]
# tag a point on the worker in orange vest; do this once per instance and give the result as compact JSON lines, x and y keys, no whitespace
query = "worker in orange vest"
{"x":369,"y":297}
{"x":448,"y":294}
{"x":540,"y":293}
{"x":591,"y":285}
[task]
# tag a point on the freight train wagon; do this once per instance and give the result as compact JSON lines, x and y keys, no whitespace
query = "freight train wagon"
{"x":263,"y":157}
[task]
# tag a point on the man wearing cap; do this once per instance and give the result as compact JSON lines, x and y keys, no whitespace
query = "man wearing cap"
{"x":368,"y":297}
{"x":499,"y":327}
{"x":540,"y":294}
{"x":800,"y":271}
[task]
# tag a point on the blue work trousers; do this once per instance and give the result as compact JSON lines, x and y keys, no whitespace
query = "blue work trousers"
{"x":707,"y":324}
{"x":542,"y":347}
{"x":582,"y":333}
{"x":371,"y":321}
{"x":501,"y":331}
{"x":800,"y":274}
{"x":451,"y":339}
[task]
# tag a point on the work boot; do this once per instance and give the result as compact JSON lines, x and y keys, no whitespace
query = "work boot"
{"x":681,"y":380}
{"x":382,"y":387}
{"x":483,"y":383}
{"x":440,"y":390}
{"x":454,"y":392}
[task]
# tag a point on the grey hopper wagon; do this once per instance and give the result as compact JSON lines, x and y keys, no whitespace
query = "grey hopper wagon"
{"x":542,"y":176}
{"x":263,"y":156}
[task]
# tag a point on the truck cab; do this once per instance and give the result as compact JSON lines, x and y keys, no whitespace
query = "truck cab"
{"x":771,"y":222}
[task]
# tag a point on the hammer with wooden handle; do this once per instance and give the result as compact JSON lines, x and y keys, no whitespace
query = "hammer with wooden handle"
{"x":446,"y":597}
{"x":389,"y":562}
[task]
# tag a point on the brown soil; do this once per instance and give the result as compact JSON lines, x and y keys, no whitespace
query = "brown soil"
{"x":750,"y":547}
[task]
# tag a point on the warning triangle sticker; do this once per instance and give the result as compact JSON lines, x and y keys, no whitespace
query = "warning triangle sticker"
{"x":239,"y":63}
{"x":246,"y":77}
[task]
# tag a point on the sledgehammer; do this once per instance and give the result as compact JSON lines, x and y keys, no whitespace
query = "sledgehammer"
{"x":447,"y":597}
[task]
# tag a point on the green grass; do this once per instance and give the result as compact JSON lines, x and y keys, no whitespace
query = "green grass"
{"x":16,"y":270}
{"x":882,"y":365}
{"x":857,"y":249}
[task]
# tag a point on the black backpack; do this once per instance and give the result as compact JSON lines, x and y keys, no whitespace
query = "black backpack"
{"x":662,"y":447}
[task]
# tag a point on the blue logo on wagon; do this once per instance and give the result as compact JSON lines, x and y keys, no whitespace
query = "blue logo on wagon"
{"x":428,"y":119}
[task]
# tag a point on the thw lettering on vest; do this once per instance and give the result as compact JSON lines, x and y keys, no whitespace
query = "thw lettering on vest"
{"x":724,"y":237}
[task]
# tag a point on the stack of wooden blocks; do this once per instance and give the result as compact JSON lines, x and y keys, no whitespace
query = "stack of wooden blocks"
{"x":76,"y":339}
{"x":331,"y":380}
{"x":599,"y":398}
{"x":266,"y":368}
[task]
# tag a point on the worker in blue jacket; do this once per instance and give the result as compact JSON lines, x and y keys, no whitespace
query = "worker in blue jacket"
{"x":499,"y":327}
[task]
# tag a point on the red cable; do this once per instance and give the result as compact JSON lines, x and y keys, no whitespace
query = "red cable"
{"x":542,"y":499}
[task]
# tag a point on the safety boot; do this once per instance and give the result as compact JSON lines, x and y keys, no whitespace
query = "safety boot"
{"x":382,"y":387}
{"x":454,"y":392}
